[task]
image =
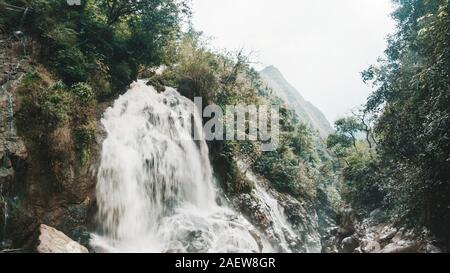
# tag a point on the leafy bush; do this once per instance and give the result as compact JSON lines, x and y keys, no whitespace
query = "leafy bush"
{"x":56,"y":115}
{"x":281,"y":172}
{"x":55,"y":106}
{"x":46,"y":103}
{"x":84,"y":137}
{"x":83,"y":92}
{"x":71,"y":65}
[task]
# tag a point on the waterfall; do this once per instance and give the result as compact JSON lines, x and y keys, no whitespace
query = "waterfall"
{"x":155,"y":188}
{"x":280,"y":230}
{"x":11,"y":114}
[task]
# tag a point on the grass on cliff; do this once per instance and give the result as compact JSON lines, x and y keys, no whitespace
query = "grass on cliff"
{"x":55,"y":115}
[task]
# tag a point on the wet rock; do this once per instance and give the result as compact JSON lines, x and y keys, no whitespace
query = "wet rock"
{"x":329,"y":244}
{"x":377,"y":216}
{"x":252,"y":209}
{"x":401,"y":247}
{"x":325,"y":212}
{"x":305,"y":220}
{"x":349,"y":244}
{"x":387,"y":234}
{"x":196,"y":242}
{"x":369,"y":246}
{"x":347,"y":223}
{"x":382,"y":237}
{"x":430,"y":248}
{"x":157,"y":83}
{"x":398,"y":236}
{"x":54,"y":241}
{"x":333,"y":231}
{"x":82,"y":236}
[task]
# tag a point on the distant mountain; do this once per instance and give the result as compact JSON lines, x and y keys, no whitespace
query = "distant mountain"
{"x":305,"y":110}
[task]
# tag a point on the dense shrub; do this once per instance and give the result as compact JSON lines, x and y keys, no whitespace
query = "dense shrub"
{"x":71,"y":65}
{"x":412,"y":103}
{"x":83,"y":92}
{"x":76,"y":39}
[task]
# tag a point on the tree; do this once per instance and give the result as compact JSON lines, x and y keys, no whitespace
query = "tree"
{"x":412,"y":106}
{"x":348,"y":127}
{"x":117,"y":10}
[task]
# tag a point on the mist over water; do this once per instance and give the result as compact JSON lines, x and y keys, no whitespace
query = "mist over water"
{"x":155,"y":188}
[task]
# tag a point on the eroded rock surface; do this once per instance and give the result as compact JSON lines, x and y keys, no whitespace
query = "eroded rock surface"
{"x":54,"y":241}
{"x":375,"y":234}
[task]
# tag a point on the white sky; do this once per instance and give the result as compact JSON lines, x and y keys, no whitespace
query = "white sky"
{"x":320,"y":46}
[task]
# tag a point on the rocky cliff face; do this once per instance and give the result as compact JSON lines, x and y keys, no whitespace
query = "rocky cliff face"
{"x":305,"y":110}
{"x":13,"y":153}
{"x":39,"y":184}
{"x":294,"y":225}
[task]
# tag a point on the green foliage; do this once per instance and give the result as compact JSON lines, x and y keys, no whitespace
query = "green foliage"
{"x":84,"y":137}
{"x":410,"y":172}
{"x":119,"y":34}
{"x":226,"y":78}
{"x":83,"y":92}
{"x":302,"y":143}
{"x":96,"y":49}
{"x":71,"y":65}
{"x":54,"y":106}
{"x":195,"y":71}
{"x":362,"y":185}
{"x":46,"y":104}
{"x":282,"y":172}
{"x":220,"y":78}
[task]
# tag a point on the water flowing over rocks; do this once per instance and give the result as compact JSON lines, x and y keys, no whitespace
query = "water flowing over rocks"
{"x":180,"y":213}
{"x":155,"y":189}
{"x":290,"y":225}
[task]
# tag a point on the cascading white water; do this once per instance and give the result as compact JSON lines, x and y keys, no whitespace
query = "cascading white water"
{"x":11,"y":114}
{"x":280,"y":229}
{"x":155,"y":188}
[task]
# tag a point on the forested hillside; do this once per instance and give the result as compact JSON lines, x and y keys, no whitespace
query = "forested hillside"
{"x":403,"y":163}
{"x":307,"y":112}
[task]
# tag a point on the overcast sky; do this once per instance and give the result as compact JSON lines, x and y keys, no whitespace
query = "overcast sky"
{"x":320,"y":46}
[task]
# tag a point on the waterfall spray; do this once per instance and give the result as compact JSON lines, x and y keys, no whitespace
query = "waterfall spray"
{"x":155,"y":189}
{"x":11,"y":114}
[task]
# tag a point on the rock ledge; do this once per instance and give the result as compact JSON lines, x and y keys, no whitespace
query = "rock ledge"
{"x":54,"y":241}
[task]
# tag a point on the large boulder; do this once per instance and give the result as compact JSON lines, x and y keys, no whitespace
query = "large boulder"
{"x":401,"y":247}
{"x":54,"y":241}
{"x":377,"y":216}
{"x":430,"y":248}
{"x":349,"y":244}
{"x":387,"y":234}
{"x":370,"y":246}
{"x":347,"y":222}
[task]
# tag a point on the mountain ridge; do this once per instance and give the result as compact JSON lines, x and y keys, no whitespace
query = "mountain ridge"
{"x":306,"y":111}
